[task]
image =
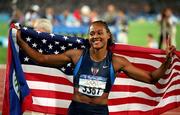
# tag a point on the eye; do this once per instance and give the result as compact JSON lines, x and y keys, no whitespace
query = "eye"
{"x":91,"y":33}
{"x":100,"y":33}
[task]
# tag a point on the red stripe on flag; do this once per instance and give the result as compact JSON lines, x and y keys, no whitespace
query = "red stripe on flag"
{"x":51,"y":94}
{"x":47,"y":78}
{"x":48,"y":109}
{"x":130,"y":100}
{"x":6,"y":100}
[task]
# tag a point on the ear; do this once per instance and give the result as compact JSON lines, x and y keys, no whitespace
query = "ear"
{"x":109,"y":35}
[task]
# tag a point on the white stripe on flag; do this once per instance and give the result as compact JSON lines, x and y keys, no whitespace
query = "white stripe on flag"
{"x":45,"y":71}
{"x":51,"y":102}
{"x":169,"y":100}
{"x":115,"y":95}
{"x":143,"y":107}
{"x":153,"y":63}
{"x":131,"y":82}
{"x":129,"y":107}
{"x":118,"y":81}
{"x":165,"y":81}
{"x":50,"y":86}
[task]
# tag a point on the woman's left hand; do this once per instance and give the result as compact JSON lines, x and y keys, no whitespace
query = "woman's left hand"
{"x":169,"y":49}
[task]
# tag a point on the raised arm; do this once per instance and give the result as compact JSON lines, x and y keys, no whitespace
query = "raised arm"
{"x":130,"y":70}
{"x":140,"y":74}
{"x":160,"y":72}
{"x":48,"y":60}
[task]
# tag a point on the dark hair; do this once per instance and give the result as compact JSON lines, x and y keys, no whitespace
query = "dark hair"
{"x":163,"y":12}
{"x":111,"y":40}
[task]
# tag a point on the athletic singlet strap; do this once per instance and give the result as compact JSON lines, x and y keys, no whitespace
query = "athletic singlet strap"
{"x":112,"y":74}
{"x":76,"y":69}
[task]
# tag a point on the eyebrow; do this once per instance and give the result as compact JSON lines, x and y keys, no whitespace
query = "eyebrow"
{"x":97,"y":30}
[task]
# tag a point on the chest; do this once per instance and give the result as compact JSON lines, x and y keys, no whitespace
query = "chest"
{"x":89,"y":67}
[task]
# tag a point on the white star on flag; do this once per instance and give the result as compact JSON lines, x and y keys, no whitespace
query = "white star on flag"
{"x":40,"y":50}
{"x":26,"y":59}
{"x":28,"y":39}
{"x":44,"y":41}
{"x":63,"y":48}
{"x":52,"y":35}
{"x":25,"y":28}
{"x":34,"y":45}
{"x":65,"y":37}
{"x":56,"y":42}
{"x":56,"y":52}
{"x":70,"y":44}
{"x":78,"y":40}
{"x":50,"y":46}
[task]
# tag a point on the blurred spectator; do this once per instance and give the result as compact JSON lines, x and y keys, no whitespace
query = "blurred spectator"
{"x":17,"y":17}
{"x":151,"y":43}
{"x":77,"y":15}
{"x":94,"y":16}
{"x":85,"y":15}
{"x":67,"y":19}
{"x":122,"y":23}
{"x":32,"y":15}
{"x":148,"y":9}
{"x":43,"y":25}
{"x":167,"y":23}
{"x":50,"y":15}
{"x":110,"y":15}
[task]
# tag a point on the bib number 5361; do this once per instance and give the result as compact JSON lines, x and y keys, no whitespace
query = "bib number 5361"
{"x":92,"y":91}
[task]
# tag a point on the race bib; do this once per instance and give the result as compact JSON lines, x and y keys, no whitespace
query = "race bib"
{"x":92,"y":85}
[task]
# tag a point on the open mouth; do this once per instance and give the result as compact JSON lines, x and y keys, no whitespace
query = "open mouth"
{"x":96,"y":41}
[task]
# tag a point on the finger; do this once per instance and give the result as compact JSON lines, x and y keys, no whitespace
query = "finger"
{"x":168,"y":41}
{"x":171,"y":50}
{"x":18,"y":33}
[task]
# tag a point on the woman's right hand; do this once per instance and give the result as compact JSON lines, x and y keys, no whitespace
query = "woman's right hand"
{"x":18,"y":37}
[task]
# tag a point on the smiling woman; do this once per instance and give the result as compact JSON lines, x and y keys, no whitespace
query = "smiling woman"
{"x":95,"y":69}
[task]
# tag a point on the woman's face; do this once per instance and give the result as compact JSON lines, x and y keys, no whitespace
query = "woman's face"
{"x":98,"y":36}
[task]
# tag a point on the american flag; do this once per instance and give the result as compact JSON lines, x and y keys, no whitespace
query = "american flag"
{"x":51,"y":88}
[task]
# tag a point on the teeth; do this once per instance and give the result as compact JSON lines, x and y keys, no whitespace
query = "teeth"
{"x":96,"y":41}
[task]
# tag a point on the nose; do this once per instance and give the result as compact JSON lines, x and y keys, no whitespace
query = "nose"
{"x":96,"y":35}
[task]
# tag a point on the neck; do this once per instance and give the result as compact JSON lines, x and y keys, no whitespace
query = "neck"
{"x":98,"y":55}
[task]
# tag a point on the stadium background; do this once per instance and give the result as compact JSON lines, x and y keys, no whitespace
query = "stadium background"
{"x":141,"y":21}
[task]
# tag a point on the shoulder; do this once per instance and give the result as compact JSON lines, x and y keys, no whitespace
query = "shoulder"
{"x":74,"y":54}
{"x":119,"y":58}
{"x":119,"y":61}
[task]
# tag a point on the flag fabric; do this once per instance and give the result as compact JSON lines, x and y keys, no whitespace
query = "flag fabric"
{"x":52,"y":88}
{"x":17,"y":93}
{"x":131,"y":97}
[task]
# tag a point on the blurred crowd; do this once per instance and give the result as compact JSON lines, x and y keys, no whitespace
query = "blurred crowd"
{"x":75,"y":13}
{"x":116,"y":18}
